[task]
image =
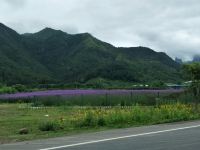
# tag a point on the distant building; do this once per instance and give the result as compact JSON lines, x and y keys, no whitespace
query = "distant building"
{"x":176,"y":86}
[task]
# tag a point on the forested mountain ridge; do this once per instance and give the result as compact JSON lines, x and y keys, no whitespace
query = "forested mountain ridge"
{"x":53,"y":56}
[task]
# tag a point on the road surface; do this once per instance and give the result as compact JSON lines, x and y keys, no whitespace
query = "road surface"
{"x":176,"y":136}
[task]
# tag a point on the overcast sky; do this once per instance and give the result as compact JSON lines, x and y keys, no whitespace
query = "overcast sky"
{"x":171,"y":26}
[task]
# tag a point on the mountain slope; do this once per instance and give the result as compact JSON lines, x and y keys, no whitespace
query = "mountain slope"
{"x":53,"y":56}
{"x":16,"y":63}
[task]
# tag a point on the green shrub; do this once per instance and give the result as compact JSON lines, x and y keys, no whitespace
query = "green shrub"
{"x":142,"y":115}
{"x":8,"y":90}
{"x":49,"y":126}
{"x":90,"y":120}
{"x":19,"y":87}
{"x":101,"y":121}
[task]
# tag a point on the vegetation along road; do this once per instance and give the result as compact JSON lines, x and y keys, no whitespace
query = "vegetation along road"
{"x":176,"y":136}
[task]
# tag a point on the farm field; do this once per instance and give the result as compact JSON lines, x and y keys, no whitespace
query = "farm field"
{"x":52,"y":116}
{"x":85,"y":92}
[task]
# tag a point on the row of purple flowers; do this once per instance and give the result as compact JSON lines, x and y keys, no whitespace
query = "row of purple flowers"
{"x":85,"y":92}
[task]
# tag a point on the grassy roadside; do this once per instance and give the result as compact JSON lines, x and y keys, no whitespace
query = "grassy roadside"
{"x":63,"y":120}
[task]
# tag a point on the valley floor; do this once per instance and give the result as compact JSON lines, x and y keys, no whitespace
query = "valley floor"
{"x":46,"y":122}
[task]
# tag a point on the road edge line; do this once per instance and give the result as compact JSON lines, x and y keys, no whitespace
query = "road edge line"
{"x":121,"y":137}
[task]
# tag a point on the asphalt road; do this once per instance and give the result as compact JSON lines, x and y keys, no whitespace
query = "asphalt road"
{"x":176,"y":136}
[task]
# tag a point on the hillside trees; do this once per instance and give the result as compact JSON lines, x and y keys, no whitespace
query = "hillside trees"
{"x":193,"y":71}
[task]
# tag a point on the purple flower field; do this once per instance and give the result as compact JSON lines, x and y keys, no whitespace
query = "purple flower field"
{"x":85,"y":92}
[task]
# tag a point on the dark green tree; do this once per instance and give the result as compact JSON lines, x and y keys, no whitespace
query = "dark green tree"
{"x":193,"y":72}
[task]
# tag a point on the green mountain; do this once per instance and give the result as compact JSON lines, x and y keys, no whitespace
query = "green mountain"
{"x":53,"y":56}
{"x":16,"y":63}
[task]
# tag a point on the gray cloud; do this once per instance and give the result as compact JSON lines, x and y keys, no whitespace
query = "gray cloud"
{"x":171,"y":26}
{"x":15,"y":3}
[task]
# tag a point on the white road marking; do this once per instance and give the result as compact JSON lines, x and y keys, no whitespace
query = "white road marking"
{"x":122,"y":137}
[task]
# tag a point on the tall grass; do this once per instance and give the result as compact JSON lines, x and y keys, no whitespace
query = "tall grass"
{"x":62,"y":119}
{"x":130,"y":116}
{"x":95,"y":117}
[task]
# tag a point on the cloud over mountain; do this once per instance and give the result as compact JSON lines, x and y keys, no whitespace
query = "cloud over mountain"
{"x":171,"y":26}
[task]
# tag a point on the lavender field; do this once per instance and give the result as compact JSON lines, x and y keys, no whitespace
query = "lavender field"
{"x":85,"y":92}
